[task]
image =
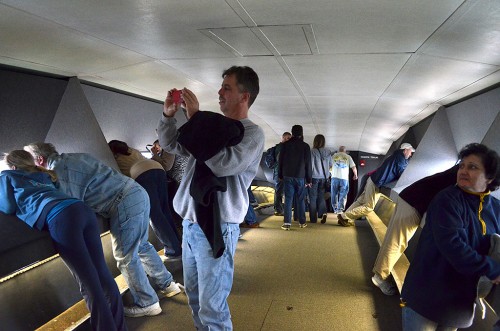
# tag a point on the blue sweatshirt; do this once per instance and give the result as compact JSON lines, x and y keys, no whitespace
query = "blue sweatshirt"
{"x":451,"y":255}
{"x":391,"y":169}
{"x":26,"y":194}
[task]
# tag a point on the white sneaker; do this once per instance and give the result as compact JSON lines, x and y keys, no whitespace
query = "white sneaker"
{"x":384,"y":285}
{"x":286,"y":226}
{"x":136,"y":311}
{"x":171,"y":290}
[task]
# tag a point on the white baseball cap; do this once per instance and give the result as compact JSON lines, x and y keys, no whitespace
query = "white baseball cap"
{"x":407,"y":146}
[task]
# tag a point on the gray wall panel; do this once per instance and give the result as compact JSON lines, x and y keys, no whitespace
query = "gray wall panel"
{"x":420,"y":129}
{"x":471,"y":119}
{"x":75,"y":128}
{"x":28,"y":104}
{"x":124,"y":117}
{"x":492,"y":140}
{"x":435,"y":152}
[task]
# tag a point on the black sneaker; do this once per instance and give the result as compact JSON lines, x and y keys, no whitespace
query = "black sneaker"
{"x":323,"y":219}
{"x":342,"y":221}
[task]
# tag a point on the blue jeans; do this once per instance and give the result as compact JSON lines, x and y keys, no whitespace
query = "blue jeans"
{"x":135,"y":256}
{"x":154,"y":181}
{"x":317,"y":205}
{"x":76,"y":237}
{"x":413,"y":321}
{"x":295,"y":187}
{"x":208,"y":281}
{"x":278,"y":196}
{"x":250,"y":217}
{"x":251,"y":197}
{"x":340,"y":188}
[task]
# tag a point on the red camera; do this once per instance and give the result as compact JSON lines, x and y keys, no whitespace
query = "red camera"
{"x":177,"y":96}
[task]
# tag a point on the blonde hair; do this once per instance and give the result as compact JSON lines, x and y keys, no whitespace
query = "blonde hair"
{"x":23,"y":160}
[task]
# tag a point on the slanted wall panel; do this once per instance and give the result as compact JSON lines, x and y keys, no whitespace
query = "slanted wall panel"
{"x":75,"y":128}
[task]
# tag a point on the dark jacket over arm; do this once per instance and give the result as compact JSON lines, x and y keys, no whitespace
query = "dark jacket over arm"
{"x":204,"y":135}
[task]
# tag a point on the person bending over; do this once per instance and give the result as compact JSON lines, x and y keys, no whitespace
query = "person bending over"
{"x":152,"y":177}
{"x":411,"y":205}
{"x":29,"y":192}
{"x":126,"y":204}
{"x":390,"y":170}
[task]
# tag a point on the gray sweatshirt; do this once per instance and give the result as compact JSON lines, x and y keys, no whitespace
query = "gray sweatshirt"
{"x":318,"y":157}
{"x":239,"y":164}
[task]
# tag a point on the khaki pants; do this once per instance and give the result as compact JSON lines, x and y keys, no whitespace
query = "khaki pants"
{"x":365,"y":202}
{"x":402,"y":226}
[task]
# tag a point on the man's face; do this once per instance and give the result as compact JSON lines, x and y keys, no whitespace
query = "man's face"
{"x":40,"y":161}
{"x":156,"y":148}
{"x":229,"y":96}
{"x":407,"y":153}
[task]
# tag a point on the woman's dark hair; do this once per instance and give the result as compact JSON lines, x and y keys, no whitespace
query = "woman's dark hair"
{"x":319,"y":141}
{"x":118,"y":147}
{"x":247,"y":81}
{"x":490,"y":159}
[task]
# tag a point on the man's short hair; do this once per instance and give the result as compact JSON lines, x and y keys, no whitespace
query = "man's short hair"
{"x":247,"y":80}
{"x":41,"y":149}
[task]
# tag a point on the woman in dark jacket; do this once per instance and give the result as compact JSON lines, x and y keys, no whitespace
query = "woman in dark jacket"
{"x":29,"y":192}
{"x":452,"y":253}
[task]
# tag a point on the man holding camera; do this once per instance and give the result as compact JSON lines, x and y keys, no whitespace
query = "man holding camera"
{"x":210,"y":231}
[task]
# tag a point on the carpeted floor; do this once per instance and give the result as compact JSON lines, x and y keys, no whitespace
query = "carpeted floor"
{"x":316,"y":278}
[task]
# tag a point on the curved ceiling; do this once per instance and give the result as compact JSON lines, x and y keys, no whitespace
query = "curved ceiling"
{"x":359,"y":72}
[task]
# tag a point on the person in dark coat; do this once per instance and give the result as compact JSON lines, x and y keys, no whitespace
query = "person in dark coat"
{"x":440,"y":288}
{"x":295,"y":170}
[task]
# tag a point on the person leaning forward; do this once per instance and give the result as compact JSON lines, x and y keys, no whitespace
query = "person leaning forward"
{"x":122,"y":200}
{"x":390,"y":170}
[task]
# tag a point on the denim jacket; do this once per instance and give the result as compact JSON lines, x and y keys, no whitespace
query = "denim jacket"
{"x":82,"y":176}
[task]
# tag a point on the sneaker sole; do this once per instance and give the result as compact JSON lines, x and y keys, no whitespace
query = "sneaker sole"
{"x":149,"y":313}
{"x":173,"y":293}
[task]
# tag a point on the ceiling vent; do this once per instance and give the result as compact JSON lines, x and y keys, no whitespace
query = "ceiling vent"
{"x":266,"y":40}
